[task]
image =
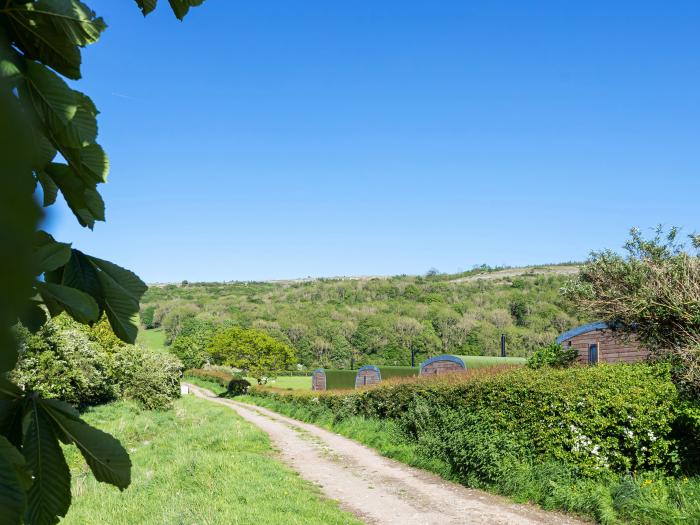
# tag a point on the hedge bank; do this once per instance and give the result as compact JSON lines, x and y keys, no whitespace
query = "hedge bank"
{"x":608,"y":418}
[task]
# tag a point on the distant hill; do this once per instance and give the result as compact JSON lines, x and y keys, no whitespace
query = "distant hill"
{"x":379,"y":319}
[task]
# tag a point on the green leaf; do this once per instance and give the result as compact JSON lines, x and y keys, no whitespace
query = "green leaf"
{"x":146,"y":6}
{"x":127,"y":280}
{"x":80,"y":273}
{"x":11,"y":411}
{"x":182,"y":7}
{"x":34,"y":317}
{"x":103,"y":453}
{"x":121,"y":292}
{"x":90,"y":162}
{"x":48,"y":187}
{"x":49,"y":255}
{"x":13,"y":479}
{"x":53,"y":101}
{"x":68,"y":119}
{"x":82,"y":198}
{"x":79,"y":305}
{"x":83,"y":126}
{"x":44,"y":152}
{"x":49,"y":496}
{"x":52,"y":31}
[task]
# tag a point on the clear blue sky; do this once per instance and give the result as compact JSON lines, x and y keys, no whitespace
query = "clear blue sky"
{"x":263,"y":140}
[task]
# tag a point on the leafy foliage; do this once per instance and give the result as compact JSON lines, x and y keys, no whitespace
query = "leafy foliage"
{"x":234,"y":384}
{"x":152,"y":378}
{"x":554,"y":355}
{"x":63,"y":364}
{"x":48,"y":137}
{"x":190,"y":346}
{"x":649,"y":497}
{"x":260,"y":355}
{"x":653,"y":292}
{"x":83,"y":366}
{"x":333,"y":323}
{"x":597,"y":420}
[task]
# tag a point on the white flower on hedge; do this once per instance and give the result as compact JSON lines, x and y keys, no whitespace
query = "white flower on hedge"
{"x":628,"y":433}
{"x":652,"y":436}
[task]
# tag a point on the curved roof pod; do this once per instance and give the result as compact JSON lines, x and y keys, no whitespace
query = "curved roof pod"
{"x":442,"y":364}
{"x":580,"y":330}
{"x":368,"y":375}
{"x":318,"y":379}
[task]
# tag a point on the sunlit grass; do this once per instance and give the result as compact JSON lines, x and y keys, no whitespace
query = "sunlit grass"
{"x":196,"y":464}
{"x":293,"y":382}
{"x":154,"y":338}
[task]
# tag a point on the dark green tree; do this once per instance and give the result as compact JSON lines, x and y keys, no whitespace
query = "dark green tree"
{"x":48,"y":137}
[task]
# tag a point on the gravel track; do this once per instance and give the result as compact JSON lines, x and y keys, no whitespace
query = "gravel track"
{"x":376,"y":489}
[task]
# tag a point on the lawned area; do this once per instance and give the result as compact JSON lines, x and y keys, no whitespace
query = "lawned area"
{"x":293,"y":382}
{"x":154,"y":338}
{"x":478,"y":361}
{"x":198,"y":463}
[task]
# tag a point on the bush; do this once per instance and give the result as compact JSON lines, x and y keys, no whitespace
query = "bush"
{"x":235,"y":385}
{"x":553,"y":355}
{"x":595,"y":419}
{"x":64,"y":364}
{"x":82,"y":366}
{"x":150,"y":377}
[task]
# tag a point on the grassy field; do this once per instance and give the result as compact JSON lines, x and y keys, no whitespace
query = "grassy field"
{"x":479,"y":361}
{"x":292,"y":382}
{"x":154,"y":338}
{"x":196,"y":464}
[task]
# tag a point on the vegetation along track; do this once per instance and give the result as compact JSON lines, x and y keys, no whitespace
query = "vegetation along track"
{"x":377,"y":489}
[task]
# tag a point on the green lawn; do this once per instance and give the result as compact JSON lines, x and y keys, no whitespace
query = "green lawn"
{"x":478,"y":361}
{"x":293,"y":382}
{"x":154,"y":338}
{"x":196,"y":464}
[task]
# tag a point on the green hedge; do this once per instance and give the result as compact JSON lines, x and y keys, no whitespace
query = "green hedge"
{"x":388,"y":372}
{"x":594,"y":419}
{"x":340,"y":379}
{"x":235,"y":385}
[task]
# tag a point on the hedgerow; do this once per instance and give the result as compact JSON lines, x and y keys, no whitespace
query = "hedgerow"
{"x":235,"y":385}
{"x":595,"y":420}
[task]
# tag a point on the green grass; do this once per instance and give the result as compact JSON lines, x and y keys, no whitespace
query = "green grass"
{"x":292,"y":382}
{"x":196,"y":464}
{"x":154,"y":338}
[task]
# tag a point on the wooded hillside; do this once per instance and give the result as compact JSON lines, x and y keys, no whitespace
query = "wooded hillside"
{"x":378,"y":320}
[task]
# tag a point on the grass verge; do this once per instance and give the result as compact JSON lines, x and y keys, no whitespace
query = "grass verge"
{"x":198,"y":463}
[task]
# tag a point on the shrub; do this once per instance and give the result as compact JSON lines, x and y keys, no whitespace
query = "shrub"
{"x":146,"y":315}
{"x":553,"y":355}
{"x":595,"y":419}
{"x":64,"y":364}
{"x":235,"y":385}
{"x":150,"y":377}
